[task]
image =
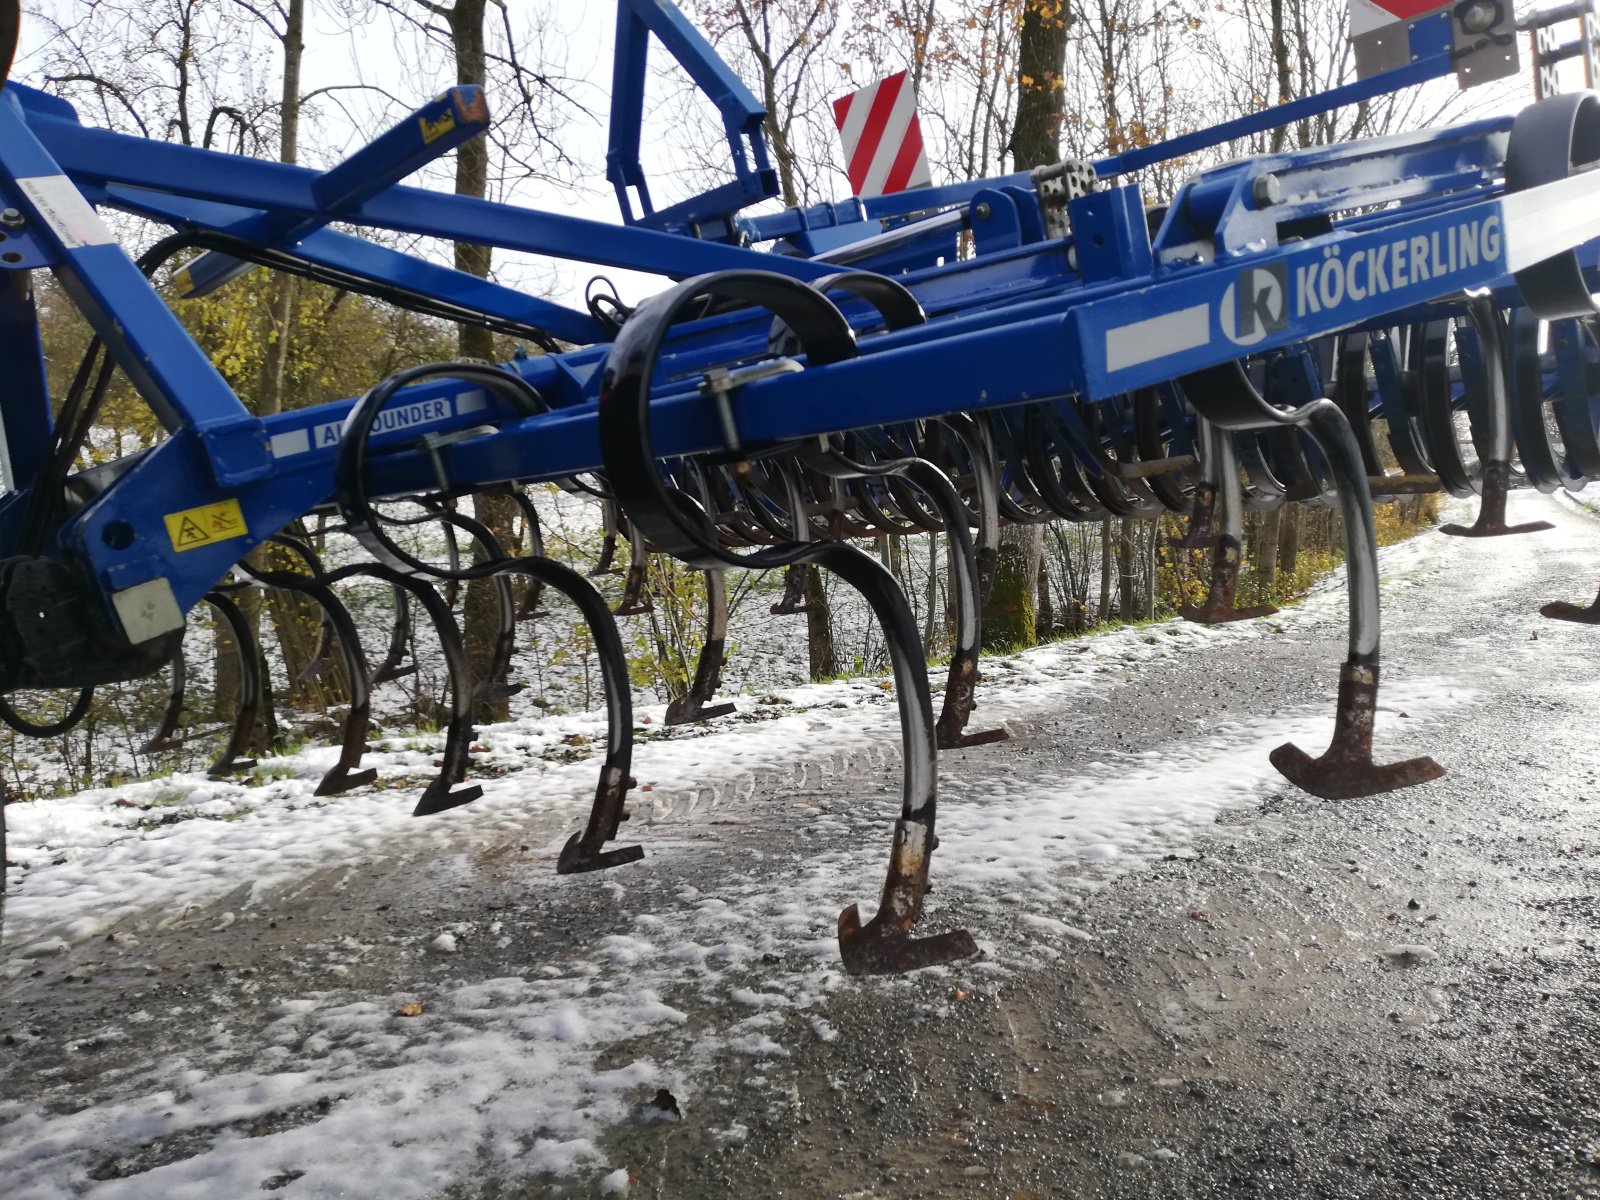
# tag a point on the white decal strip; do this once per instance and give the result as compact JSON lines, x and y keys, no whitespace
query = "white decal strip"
{"x":404,"y":416}
{"x":62,"y":207}
{"x":1157,"y":337}
{"x":1546,"y":220}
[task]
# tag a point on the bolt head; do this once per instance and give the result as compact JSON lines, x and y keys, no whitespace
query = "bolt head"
{"x":11,"y":218}
{"x":1265,"y":191}
{"x":982,"y":211}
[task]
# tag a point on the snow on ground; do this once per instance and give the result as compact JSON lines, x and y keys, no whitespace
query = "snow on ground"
{"x":523,"y":1074}
{"x":86,"y":861}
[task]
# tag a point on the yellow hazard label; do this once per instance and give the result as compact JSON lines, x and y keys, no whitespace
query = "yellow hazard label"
{"x":432,"y":131}
{"x":196,"y":527}
{"x":183,"y":282}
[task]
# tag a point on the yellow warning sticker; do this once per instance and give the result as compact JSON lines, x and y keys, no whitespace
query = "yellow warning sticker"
{"x":196,"y":527}
{"x":432,"y":131}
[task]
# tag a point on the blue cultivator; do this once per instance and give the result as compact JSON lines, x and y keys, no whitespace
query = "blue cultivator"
{"x":1247,"y":349}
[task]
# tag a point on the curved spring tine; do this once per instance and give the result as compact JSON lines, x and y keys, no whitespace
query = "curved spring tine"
{"x":1047,"y":469}
{"x":394,"y":664}
{"x":344,"y":774}
{"x":1019,"y":499}
{"x":695,"y":704}
{"x":1202,"y":531}
{"x":979,"y":449}
{"x":1292,"y":380}
{"x":1354,"y":398}
{"x":452,"y":584}
{"x":322,"y":659}
{"x":1438,"y":409}
{"x":608,"y":543}
{"x":793,"y":599}
{"x":166,"y":735}
{"x":493,"y":685}
{"x":533,"y":593}
{"x":252,"y":689}
{"x":1228,"y":545}
{"x":1346,"y":768}
{"x":1158,"y":441}
{"x":1490,"y":328}
{"x":635,"y":599}
{"x":676,"y":525}
{"x":1573,"y":341}
{"x":1119,"y":485}
{"x":585,"y":851}
{"x":441,"y":793}
{"x":962,"y":679}
{"x":884,"y":944}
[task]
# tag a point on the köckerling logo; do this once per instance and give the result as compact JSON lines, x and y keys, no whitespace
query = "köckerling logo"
{"x":1256,"y":305}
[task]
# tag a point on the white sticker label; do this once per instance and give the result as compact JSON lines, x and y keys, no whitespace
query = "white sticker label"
{"x":62,"y":207}
{"x":1157,"y":337}
{"x":404,"y":416}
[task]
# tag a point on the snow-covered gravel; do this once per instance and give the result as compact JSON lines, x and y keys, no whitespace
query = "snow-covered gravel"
{"x":522,"y":1074}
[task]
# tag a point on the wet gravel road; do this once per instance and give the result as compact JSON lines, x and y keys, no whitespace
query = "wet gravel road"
{"x":1301,"y":998}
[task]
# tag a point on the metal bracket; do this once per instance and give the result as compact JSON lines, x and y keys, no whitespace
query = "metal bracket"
{"x":1057,"y":185}
{"x":720,"y":383}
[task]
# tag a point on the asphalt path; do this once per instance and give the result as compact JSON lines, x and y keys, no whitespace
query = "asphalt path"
{"x":1295,"y":997}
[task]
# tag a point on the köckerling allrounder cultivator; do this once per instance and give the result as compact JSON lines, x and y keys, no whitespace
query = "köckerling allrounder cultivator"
{"x":1088,"y":356}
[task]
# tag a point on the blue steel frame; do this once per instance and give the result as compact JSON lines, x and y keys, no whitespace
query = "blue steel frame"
{"x":1107,"y":311}
{"x":742,"y":123}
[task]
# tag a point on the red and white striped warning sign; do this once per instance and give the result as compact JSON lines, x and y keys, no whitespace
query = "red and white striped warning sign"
{"x":882,"y":138}
{"x":1366,"y":15}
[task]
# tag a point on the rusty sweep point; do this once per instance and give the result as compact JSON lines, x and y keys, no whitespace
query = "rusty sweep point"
{"x":340,"y":780}
{"x":1346,"y":770}
{"x":961,"y":741}
{"x":1339,"y":777}
{"x":1219,"y":607}
{"x":1491,"y":520}
{"x":1211,"y":613}
{"x":1560,"y":610}
{"x":882,"y":947}
{"x":576,"y":860}
{"x":440,"y":798}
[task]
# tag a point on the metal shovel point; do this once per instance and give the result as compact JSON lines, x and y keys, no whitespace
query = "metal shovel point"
{"x":1491,"y":520}
{"x":1346,"y":770}
{"x":884,"y":945}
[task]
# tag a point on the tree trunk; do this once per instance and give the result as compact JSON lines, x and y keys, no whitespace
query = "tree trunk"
{"x":1153,"y":532}
{"x":1128,"y":581}
{"x":1289,"y":542}
{"x":296,"y":620}
{"x":1010,"y":618}
{"x":1280,"y":62}
{"x":481,"y":608}
{"x":1046,"y":621}
{"x":1105,"y":571}
{"x":1265,"y":566}
{"x":1041,"y":63}
{"x":819,"y":628}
